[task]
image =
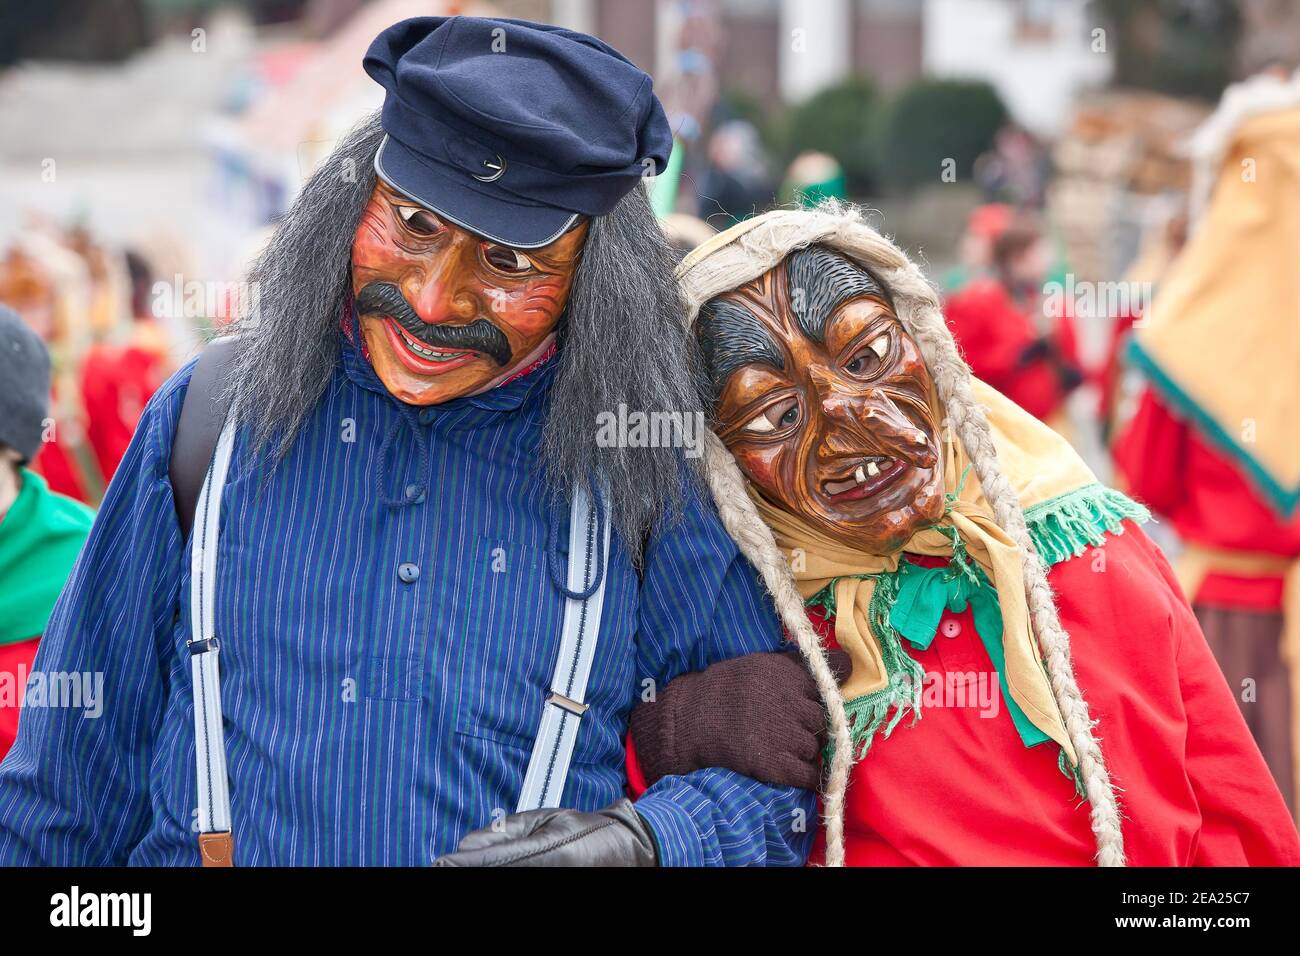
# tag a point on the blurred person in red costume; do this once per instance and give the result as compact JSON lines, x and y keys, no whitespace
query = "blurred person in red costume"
{"x":975,"y":249}
{"x":1017,"y":339}
{"x":119,"y":376}
{"x":1213,"y":443}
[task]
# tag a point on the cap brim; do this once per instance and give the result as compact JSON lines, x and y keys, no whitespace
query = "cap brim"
{"x":517,"y":224}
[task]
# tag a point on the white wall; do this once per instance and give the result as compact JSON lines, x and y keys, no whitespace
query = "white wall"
{"x":1037,"y":79}
{"x":819,"y":53}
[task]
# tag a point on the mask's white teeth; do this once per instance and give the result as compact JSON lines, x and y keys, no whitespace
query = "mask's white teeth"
{"x":872,"y":469}
{"x":428,"y":353}
{"x":858,"y":476}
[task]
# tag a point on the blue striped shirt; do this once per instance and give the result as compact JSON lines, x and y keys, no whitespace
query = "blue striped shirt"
{"x":371,"y":719}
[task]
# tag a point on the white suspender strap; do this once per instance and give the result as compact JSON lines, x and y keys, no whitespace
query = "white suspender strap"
{"x":562,"y":713}
{"x":209,"y":738}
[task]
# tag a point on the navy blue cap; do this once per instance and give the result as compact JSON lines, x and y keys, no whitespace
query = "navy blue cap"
{"x":512,"y":129}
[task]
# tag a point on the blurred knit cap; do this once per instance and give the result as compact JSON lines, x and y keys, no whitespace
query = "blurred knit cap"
{"x":25,"y":393}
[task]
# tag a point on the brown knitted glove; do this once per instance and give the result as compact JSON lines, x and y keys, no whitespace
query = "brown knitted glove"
{"x":759,"y":715}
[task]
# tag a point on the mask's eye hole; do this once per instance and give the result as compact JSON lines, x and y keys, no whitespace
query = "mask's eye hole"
{"x":420,"y":221}
{"x":505,"y":259}
{"x":867,"y":361}
{"x":782,"y":415}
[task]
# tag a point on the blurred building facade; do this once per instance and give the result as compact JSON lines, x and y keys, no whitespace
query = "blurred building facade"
{"x":785,"y":49}
{"x":1038,"y":54}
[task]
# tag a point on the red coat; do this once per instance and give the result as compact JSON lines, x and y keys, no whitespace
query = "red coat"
{"x":960,"y":789}
{"x":116,"y":384}
{"x":15,"y":662}
{"x":58,"y":466}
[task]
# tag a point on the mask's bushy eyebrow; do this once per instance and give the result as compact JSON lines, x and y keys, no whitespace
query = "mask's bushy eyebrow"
{"x":818,"y":280}
{"x":730,"y":338}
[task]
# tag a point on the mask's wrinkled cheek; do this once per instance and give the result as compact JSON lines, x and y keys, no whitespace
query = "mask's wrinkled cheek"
{"x":803,"y":464}
{"x":532,"y":312}
{"x":761,"y":464}
{"x":374,"y":250}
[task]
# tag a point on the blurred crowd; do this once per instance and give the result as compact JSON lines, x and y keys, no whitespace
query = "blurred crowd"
{"x":92,"y":306}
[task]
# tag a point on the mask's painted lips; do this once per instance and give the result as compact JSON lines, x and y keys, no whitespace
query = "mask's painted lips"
{"x":420,"y":358}
{"x":868,"y":478}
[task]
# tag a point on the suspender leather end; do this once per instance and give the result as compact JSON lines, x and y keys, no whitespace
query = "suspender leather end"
{"x":217,"y":849}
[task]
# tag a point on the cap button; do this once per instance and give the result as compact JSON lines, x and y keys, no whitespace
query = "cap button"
{"x":496,"y":168}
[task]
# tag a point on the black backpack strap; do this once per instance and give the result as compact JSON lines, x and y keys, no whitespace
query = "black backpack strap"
{"x":202,"y":416}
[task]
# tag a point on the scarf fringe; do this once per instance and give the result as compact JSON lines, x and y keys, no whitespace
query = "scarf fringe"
{"x":881,"y":710}
{"x":1072,"y":773}
{"x":1065,"y":526}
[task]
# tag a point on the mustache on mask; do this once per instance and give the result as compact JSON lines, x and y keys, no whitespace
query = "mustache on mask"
{"x":385,"y":298}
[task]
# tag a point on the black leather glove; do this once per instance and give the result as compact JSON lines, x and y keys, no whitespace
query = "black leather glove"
{"x":1037,"y":350}
{"x":615,"y":836}
{"x":1069,"y":376}
{"x":759,"y":715}
{"x":1045,"y":349}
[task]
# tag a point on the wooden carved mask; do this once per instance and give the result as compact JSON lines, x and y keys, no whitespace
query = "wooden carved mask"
{"x":445,"y":312}
{"x":824,"y":400}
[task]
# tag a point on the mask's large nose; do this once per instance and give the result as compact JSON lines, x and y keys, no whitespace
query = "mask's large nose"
{"x":845,"y":416}
{"x":865,"y":422}
{"x":841,"y":436}
{"x":446,"y":289}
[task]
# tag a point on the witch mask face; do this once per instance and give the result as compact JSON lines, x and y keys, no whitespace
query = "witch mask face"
{"x":446,"y":313}
{"x":824,"y":400}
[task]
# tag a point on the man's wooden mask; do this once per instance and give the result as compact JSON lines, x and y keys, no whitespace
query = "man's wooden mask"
{"x":446,"y":313}
{"x":824,"y":400}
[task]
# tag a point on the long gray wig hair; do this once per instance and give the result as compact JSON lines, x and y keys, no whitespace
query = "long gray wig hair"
{"x":622,"y":339}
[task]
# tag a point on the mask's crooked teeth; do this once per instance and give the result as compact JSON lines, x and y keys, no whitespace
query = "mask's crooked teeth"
{"x":864,"y":471}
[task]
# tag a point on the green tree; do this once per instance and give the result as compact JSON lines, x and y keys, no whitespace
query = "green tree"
{"x":841,"y":120}
{"x":932,"y":122}
{"x":1180,"y":47}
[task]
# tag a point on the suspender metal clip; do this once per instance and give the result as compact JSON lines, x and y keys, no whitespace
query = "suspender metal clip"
{"x":567,"y":703}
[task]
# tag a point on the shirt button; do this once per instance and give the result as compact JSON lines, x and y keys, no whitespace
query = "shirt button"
{"x":950,"y":628}
{"x":426,"y":416}
{"x":408,"y":573}
{"x":414,"y":493}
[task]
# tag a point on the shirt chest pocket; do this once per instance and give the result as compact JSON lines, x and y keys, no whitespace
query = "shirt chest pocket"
{"x":507,"y":638}
{"x":510,"y":645}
